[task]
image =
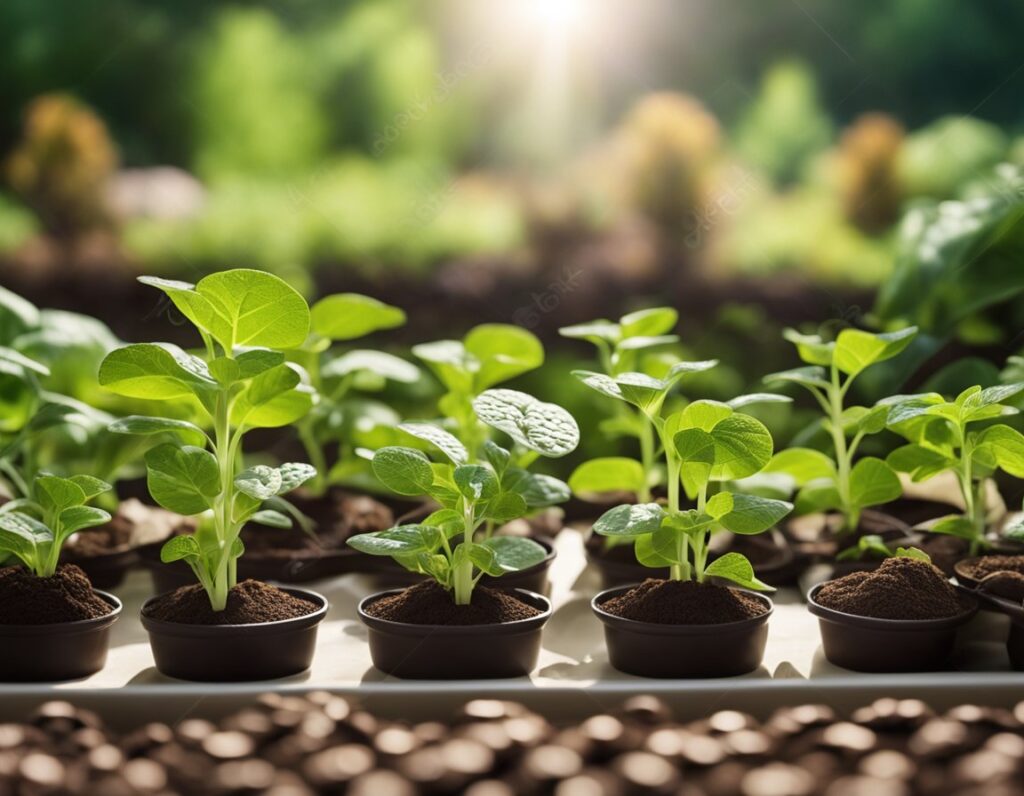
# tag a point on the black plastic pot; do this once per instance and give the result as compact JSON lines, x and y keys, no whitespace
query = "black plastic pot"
{"x":456,"y":652}
{"x":1015,"y":644}
{"x":106,"y":571}
{"x":236,"y":653}
{"x":60,"y":651}
{"x":960,"y":569}
{"x":652,"y":649}
{"x":617,"y":566}
{"x":866,"y":644}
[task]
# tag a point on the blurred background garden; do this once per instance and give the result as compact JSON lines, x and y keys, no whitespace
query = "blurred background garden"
{"x":536,"y":162}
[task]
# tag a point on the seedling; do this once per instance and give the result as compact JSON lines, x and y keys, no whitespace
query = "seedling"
{"x":837,"y":483}
{"x":454,"y":545}
{"x":945,"y":436}
{"x":488,"y":355}
{"x":621,"y":347}
{"x":339,"y":377}
{"x":246,"y":320}
{"x":873,"y":546}
{"x":705,"y":445}
{"x":33,"y":529}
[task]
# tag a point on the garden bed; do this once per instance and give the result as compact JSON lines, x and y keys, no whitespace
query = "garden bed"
{"x":573,"y":673}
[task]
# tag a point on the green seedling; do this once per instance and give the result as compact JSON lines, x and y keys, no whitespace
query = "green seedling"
{"x":33,"y":529}
{"x":454,"y":545}
{"x":488,"y":355}
{"x":836,"y":483}
{"x":246,"y":320}
{"x":873,"y":546}
{"x":341,"y":378}
{"x":706,"y":445}
{"x":959,"y":436}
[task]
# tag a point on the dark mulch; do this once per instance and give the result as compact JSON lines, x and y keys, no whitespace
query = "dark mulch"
{"x":675,"y":602}
{"x":113,"y":537}
{"x":901,"y":588}
{"x":67,"y":596}
{"x":428,"y":603}
{"x":249,"y":602}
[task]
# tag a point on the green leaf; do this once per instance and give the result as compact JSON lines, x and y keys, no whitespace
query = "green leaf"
{"x":1006,"y":445}
{"x":182,"y":479}
{"x":272,"y":519}
{"x":20,"y":360}
{"x":91,"y":486}
{"x":403,"y":470}
{"x":639,"y":343}
{"x":497,"y":457}
{"x":649,"y":322}
{"x":294,"y":475}
{"x":514,"y":554}
{"x":812,"y":376}
{"x":873,"y":482}
{"x":630,"y":520}
{"x":955,"y":525}
{"x":482,"y":557}
{"x":78,"y":517}
{"x":736,"y":568}
{"x":476,"y":482}
{"x":913,"y":552}
{"x":246,"y":365}
{"x":743,"y":446}
{"x":610,"y":474}
{"x":506,"y":507}
{"x":542,"y":427}
{"x":450,"y":362}
{"x":346,"y":316}
{"x":27,"y":528}
{"x":143,"y":425}
{"x":596,"y":332}
{"x":503,"y":352}
{"x":750,"y":514}
{"x":55,"y":494}
{"x":384,"y":365}
{"x":260,"y":482}
{"x":704,"y":414}
{"x":696,"y":451}
{"x":537,"y":489}
{"x":868,"y":544}
{"x":759,"y":398}
{"x":811,"y":348}
{"x":920,"y":462}
{"x":803,"y":465}
{"x":857,"y":350}
{"x":657,"y":550}
{"x":157,"y":371}
{"x":404,"y":540}
{"x":274,"y":398}
{"x":820,"y":495}
{"x":447,"y":443}
{"x":180,"y":548}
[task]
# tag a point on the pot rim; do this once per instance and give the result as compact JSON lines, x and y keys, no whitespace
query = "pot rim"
{"x":891,"y":625}
{"x":185,"y":630}
{"x":69,"y":628}
{"x":969,"y":580}
{"x":663,"y":629}
{"x":518,"y":626}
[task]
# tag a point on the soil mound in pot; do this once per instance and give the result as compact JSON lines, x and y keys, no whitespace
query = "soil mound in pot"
{"x":249,"y":602}
{"x":428,"y":603}
{"x":987,"y":565}
{"x":901,"y":588}
{"x":685,"y":602}
{"x":113,"y":537}
{"x":67,"y":596}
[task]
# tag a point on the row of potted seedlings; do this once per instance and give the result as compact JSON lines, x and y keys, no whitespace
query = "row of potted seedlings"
{"x":706,"y":497}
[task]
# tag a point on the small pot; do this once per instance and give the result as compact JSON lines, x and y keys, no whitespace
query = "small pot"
{"x":236,"y":653}
{"x":59,"y":651}
{"x":1015,"y":611}
{"x":960,"y":569}
{"x":106,"y":571}
{"x":653,"y":649}
{"x":867,"y":644}
{"x":456,"y":652}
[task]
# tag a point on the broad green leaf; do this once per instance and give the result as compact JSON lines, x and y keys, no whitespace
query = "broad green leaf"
{"x":483,"y":558}
{"x":630,"y":520}
{"x":680,"y":369}
{"x":514,"y":554}
{"x":811,"y":347}
{"x":759,"y":398}
{"x":497,"y":456}
{"x":643,"y":391}
{"x":913,"y":552}
{"x":597,"y":332}
{"x":246,"y":365}
{"x":476,"y":482}
{"x":22,"y":361}
{"x":157,"y":371}
{"x":657,"y":550}
{"x":141,"y":424}
{"x":857,"y":350}
{"x":704,"y":414}
{"x":403,"y":470}
{"x":55,"y":494}
{"x":274,"y":398}
{"x":955,"y":525}
{"x":25,"y":527}
{"x":610,"y":474}
{"x":272,"y":519}
{"x":294,"y":475}
{"x":649,"y":322}
{"x":811,"y":376}
{"x":691,"y":521}
{"x":77,"y":518}
{"x":346,"y":316}
{"x":1006,"y":445}
{"x":819,"y":495}
{"x":537,"y":489}
{"x":873,"y":482}
{"x":993,"y":395}
{"x":451,"y":363}
{"x":542,"y":427}
{"x":696,"y":451}
{"x":503,"y":352}
{"x":750,"y":514}
{"x":447,"y":443}
{"x":17,"y":315}
{"x":719,"y":505}
{"x":871,"y":543}
{"x":802,"y":464}
{"x":921,"y":463}
{"x":599,"y":382}
{"x":403,"y":540}
{"x":180,"y":548}
{"x":260,"y":482}
{"x":736,"y":568}
{"x":182,"y":479}
{"x":384,"y":365}
{"x":506,"y":507}
{"x":641,"y":342}
{"x":91,"y":486}
{"x":743,"y":446}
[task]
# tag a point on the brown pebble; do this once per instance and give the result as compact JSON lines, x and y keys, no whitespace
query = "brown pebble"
{"x":646,"y":772}
{"x":228,"y":745}
{"x":777,"y":779}
{"x":40,"y":769}
{"x":339,"y":764}
{"x":380,"y":783}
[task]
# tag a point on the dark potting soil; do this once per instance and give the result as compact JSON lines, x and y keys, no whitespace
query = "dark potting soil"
{"x":114,"y":537}
{"x":428,"y":603}
{"x":674,"y":602}
{"x":249,"y":603}
{"x":1003,"y":575}
{"x":67,"y":596}
{"x":901,"y":588}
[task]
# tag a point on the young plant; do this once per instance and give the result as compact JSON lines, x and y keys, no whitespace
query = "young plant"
{"x":33,"y":529}
{"x":837,"y":483}
{"x":246,"y":320}
{"x":873,"y":546}
{"x":959,"y":436}
{"x":454,"y":545}
{"x":488,"y":355}
{"x":705,"y":445}
{"x":339,"y":378}
{"x":621,"y":347}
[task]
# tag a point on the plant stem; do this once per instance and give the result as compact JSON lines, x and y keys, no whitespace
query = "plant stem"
{"x":700,"y":539}
{"x":646,"y":458}
{"x":835,"y":396}
{"x":224,"y":574}
{"x":462,"y":581}
{"x":317,"y":485}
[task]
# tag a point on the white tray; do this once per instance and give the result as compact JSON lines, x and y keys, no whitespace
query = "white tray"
{"x":572,"y":676}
